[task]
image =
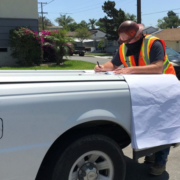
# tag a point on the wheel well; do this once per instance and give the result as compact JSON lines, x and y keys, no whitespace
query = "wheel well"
{"x":112,"y":130}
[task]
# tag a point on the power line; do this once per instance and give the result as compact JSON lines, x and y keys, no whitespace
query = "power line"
{"x":47,"y":3}
{"x":160,"y":12}
{"x":86,"y":7}
{"x":96,"y":6}
{"x":50,"y":2}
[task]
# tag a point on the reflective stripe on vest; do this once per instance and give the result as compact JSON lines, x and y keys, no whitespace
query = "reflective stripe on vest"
{"x":129,"y":60}
{"x":144,"y":58}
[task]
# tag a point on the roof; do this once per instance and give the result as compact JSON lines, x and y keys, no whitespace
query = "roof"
{"x":96,"y":30}
{"x":145,"y":28}
{"x":54,"y":27}
{"x":169,"y":34}
{"x":73,"y":33}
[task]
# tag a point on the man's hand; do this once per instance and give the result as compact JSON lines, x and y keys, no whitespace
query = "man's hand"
{"x":99,"y":69}
{"x":127,"y":70}
{"x":108,"y":66}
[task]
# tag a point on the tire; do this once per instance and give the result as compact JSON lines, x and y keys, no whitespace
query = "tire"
{"x":81,"y":54}
{"x":91,"y":157}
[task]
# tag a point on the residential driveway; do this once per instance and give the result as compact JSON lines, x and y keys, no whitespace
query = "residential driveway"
{"x":139,"y":171}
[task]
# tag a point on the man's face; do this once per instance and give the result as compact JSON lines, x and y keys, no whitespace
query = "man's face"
{"x":136,"y":38}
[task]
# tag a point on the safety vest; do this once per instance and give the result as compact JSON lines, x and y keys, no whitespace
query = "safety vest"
{"x":144,"y":54}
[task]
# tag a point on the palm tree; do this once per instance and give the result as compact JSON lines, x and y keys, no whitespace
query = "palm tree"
{"x":92,"y":23}
{"x":60,"y":43}
{"x":64,"y":20}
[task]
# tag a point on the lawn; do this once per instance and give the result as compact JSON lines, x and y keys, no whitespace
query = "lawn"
{"x":98,"y":54}
{"x":68,"y":65}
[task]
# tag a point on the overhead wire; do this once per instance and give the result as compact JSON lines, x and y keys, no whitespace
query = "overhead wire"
{"x":160,"y":11}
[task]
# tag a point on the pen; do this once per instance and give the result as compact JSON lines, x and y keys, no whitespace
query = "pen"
{"x":98,"y":64}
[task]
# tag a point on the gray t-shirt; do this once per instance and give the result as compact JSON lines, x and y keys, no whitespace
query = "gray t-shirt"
{"x":156,"y":53}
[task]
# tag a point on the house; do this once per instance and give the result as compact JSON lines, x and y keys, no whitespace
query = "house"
{"x":15,"y":14}
{"x":97,"y":35}
{"x":53,"y":28}
{"x":171,"y":38}
{"x":149,"y":30}
{"x":91,"y":43}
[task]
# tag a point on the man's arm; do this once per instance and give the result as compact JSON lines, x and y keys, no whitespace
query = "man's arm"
{"x":110,"y":65}
{"x":155,"y":67}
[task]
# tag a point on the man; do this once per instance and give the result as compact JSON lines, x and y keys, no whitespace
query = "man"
{"x":141,"y":54}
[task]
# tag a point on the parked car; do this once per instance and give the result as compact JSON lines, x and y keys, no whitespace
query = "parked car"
{"x":73,"y":49}
{"x":174,"y":58}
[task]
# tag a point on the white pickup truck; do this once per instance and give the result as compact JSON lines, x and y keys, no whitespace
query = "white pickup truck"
{"x":64,"y":125}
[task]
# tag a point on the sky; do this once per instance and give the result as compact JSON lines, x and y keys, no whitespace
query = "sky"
{"x":79,"y":10}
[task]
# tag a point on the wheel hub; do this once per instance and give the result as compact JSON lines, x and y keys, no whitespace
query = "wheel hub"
{"x":88,"y":172}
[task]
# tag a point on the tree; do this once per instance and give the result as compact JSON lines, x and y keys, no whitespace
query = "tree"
{"x":82,"y":34}
{"x":131,"y":17}
{"x":60,"y":43}
{"x":47,"y":22}
{"x":113,"y":19}
{"x":101,"y":44}
{"x":73,"y":26}
{"x":101,"y":26}
{"x":64,"y":21}
{"x":169,"y":21}
{"x":84,"y":24}
{"x":92,"y":23}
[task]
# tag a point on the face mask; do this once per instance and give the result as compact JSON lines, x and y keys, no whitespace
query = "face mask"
{"x":134,"y":48}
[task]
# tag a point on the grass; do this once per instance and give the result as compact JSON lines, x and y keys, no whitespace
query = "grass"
{"x":99,"y":54}
{"x":68,"y":65}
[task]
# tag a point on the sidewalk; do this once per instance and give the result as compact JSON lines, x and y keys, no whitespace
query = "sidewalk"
{"x":104,"y":57}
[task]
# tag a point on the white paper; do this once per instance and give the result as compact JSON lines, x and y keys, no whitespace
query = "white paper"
{"x":155,"y":109}
{"x":93,"y":72}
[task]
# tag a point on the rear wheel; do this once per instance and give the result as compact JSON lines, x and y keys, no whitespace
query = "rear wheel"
{"x":94,"y":157}
{"x":81,"y":54}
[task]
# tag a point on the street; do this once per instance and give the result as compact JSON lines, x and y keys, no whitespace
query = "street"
{"x":139,"y":171}
{"x":92,"y":59}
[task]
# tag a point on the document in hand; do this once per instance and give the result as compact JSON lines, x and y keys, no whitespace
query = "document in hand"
{"x":155,"y":110}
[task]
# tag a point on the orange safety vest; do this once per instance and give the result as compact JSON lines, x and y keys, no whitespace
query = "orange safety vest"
{"x":144,"y":54}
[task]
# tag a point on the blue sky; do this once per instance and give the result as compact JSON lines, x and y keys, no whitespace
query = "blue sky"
{"x":152,"y":10}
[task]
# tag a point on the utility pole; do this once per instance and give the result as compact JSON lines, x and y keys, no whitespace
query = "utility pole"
{"x":42,"y":13}
{"x":138,"y":11}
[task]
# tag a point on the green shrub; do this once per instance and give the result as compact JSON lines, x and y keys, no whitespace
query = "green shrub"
{"x":60,"y":43}
{"x":26,"y":46}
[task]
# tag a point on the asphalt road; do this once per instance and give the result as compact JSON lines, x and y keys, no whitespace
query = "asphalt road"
{"x":139,"y":171}
{"x":94,"y":60}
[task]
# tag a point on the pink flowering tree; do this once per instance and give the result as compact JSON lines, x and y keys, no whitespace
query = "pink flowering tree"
{"x":26,"y":46}
{"x":49,"y":54}
{"x":60,"y":43}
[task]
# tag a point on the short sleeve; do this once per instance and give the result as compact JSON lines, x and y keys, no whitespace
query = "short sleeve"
{"x":116,"y":59}
{"x":157,"y":51}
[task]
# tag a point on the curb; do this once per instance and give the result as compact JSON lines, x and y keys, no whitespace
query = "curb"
{"x":105,"y":57}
